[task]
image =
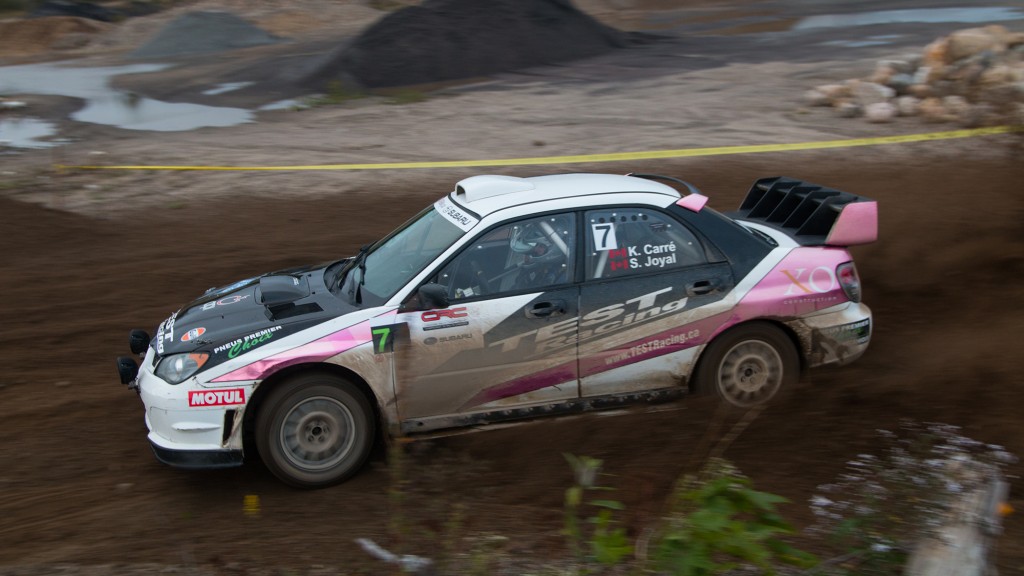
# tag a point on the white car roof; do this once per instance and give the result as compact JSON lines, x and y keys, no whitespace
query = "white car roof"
{"x":489,"y":193}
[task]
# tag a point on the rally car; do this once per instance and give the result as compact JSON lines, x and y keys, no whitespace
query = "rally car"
{"x":509,"y":298}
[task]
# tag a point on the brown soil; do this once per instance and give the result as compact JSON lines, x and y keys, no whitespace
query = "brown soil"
{"x":80,"y":485}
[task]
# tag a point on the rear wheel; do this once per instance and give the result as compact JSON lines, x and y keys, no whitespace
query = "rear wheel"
{"x":315,"y":430}
{"x":749,"y":365}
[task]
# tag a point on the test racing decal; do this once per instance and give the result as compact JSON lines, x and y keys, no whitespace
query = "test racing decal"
{"x":165,"y":332}
{"x":600,"y":322}
{"x":228,"y":397}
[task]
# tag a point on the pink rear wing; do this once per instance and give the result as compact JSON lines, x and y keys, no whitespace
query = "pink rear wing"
{"x":812,"y":215}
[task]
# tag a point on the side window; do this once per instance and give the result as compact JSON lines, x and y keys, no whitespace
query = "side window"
{"x":626,"y":241}
{"x":524,"y":255}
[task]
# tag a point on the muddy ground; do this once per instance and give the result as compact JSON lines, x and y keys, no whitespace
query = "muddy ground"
{"x":85,"y":256}
{"x":80,"y":484}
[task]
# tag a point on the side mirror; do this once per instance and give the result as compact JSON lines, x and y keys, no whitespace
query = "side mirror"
{"x":433,"y":296}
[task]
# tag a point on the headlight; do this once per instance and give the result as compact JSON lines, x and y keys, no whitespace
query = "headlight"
{"x":178,"y":367}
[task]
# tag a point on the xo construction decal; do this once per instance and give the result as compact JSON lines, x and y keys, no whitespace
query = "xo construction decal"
{"x":810,"y":285}
{"x":228,"y":397}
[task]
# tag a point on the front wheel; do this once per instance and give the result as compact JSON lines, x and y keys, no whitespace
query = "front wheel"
{"x":749,"y":365}
{"x":315,"y":430}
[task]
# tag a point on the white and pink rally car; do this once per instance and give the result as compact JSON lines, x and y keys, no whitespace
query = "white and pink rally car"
{"x":508,"y":299}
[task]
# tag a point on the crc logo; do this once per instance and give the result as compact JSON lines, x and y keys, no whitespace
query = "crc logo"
{"x":435,"y":315}
{"x":815,"y":281}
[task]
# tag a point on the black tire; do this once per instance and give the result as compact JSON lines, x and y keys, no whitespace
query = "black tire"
{"x":315,"y":430}
{"x":749,"y":365}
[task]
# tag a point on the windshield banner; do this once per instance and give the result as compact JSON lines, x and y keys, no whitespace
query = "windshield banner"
{"x":455,"y":214}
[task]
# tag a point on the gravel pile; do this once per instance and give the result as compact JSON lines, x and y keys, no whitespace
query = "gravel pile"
{"x":973,"y":77}
{"x":203,"y":33}
{"x":442,"y":40}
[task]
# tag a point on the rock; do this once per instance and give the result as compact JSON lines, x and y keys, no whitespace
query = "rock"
{"x":848,"y":109}
{"x":932,"y":110}
{"x":834,"y":91}
{"x":927,"y":74}
{"x":900,"y":82}
{"x":907,"y":105}
{"x":997,"y":75}
{"x":920,"y":90}
{"x":814,"y":97}
{"x":978,"y":115}
{"x":880,"y":112}
{"x":965,"y":43}
{"x":956,"y":105}
{"x":901,"y":66}
{"x":935,"y":54}
{"x":882,"y":74}
{"x":867,"y":93}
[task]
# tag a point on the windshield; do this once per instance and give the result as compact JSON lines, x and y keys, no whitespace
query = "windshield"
{"x":391,"y":263}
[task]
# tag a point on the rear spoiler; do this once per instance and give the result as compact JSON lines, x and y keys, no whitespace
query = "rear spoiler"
{"x":812,"y":215}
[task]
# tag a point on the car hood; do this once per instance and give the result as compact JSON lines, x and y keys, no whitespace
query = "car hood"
{"x":270,"y":306}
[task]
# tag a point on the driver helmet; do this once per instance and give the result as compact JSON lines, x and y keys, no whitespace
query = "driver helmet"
{"x":531,"y":241}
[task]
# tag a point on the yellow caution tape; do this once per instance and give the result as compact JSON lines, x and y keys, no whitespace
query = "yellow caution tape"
{"x":597,"y":158}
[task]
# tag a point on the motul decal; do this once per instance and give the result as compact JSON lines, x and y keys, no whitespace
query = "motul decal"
{"x":193,"y":334}
{"x":229,"y":397}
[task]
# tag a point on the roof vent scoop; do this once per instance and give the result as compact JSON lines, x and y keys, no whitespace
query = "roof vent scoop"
{"x":487,"y":186}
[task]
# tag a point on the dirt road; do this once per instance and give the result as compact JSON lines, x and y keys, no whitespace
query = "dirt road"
{"x":84,"y":257}
{"x":80,"y":485}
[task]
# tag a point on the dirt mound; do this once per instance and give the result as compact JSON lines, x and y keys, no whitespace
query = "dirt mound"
{"x":37,"y":35}
{"x":451,"y":39}
{"x":203,"y":33}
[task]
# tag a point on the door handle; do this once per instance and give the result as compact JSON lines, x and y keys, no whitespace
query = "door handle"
{"x":546,"y":309}
{"x":701,"y":287}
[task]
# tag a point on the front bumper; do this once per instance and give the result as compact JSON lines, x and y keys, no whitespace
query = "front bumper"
{"x":193,"y":424}
{"x":197,"y":459}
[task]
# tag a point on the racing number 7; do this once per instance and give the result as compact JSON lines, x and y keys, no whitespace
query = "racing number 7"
{"x":383,"y":339}
{"x":604,"y":237}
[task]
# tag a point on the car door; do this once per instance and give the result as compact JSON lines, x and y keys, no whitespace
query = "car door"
{"x":506,"y":342}
{"x":653,"y":291}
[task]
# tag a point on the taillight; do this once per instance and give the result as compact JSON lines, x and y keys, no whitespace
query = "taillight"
{"x":848,"y":279}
